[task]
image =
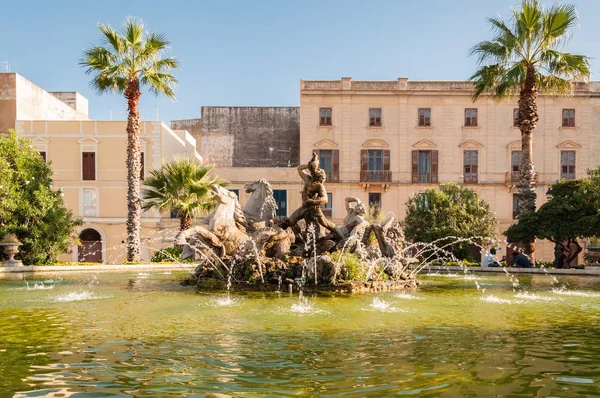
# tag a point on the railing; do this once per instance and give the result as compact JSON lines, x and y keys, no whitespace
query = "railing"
{"x":375,"y":176}
{"x":470,"y":179}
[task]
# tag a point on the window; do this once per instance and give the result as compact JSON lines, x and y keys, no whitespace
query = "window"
{"x":515,"y":206}
{"x":567,"y":165}
{"x":236,"y":192}
{"x":470,"y":162}
{"x":375,"y":117}
{"x":325,"y":161}
{"x":280,"y":196}
{"x":424,"y":167}
{"x":89,"y":203}
{"x":174,"y":214}
{"x":329,"y":159}
{"x":328,"y":208}
{"x":43,"y":155}
{"x":375,"y":165}
{"x":568,"y":117}
{"x":375,"y":160}
{"x":515,"y":165}
{"x":142,"y":165}
{"x":471,"y":117}
{"x":424,"y":117}
{"x":88,"y":163}
{"x":375,"y":200}
{"x":515,"y":117}
{"x":325,"y":116}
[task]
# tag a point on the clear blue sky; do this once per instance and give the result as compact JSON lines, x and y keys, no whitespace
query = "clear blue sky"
{"x":255,"y":52}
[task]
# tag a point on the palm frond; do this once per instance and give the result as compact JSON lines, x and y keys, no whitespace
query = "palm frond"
{"x":181,"y":185}
{"x":158,"y":82}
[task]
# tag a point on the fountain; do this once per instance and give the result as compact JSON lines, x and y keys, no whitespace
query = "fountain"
{"x":259,"y":250}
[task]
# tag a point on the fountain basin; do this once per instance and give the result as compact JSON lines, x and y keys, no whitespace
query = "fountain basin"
{"x":142,"y":333}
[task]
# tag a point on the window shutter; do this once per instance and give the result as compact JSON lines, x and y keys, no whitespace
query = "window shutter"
{"x":89,"y":165}
{"x":434,"y":167}
{"x":415,"y":167}
{"x":364,"y":164}
{"x":335,"y":165}
{"x":387,"y":175}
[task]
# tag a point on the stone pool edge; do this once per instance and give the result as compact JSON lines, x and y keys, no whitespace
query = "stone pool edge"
{"x":580,"y":272}
{"x":104,"y":267}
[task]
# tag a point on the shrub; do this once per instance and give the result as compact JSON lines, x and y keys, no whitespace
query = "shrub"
{"x":170,"y":254}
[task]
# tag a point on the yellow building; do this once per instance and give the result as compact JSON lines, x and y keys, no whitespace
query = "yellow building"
{"x":88,"y":160}
{"x":384,"y":141}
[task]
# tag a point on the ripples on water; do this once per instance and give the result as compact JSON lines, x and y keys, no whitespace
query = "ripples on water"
{"x":77,"y":296}
{"x":159,"y":341}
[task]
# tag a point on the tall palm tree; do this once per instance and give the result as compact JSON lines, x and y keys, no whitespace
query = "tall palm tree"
{"x":522,"y":58}
{"x":181,"y":186}
{"x":124,"y":63}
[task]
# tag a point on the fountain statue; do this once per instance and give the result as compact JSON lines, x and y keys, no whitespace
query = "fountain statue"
{"x":254,"y":244}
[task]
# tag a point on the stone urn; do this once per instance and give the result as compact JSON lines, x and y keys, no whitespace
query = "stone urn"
{"x":10,"y":245}
{"x":594,"y":253}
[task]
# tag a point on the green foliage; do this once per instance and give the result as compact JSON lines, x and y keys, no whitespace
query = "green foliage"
{"x":451,"y":211}
{"x":529,"y":40}
{"x":30,"y":208}
{"x":181,"y":185}
{"x":573,"y":212}
{"x":354,"y":268}
{"x":169,"y":254}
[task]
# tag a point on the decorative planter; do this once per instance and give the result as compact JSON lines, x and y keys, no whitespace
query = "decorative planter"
{"x":11,"y":249}
{"x":594,"y":253}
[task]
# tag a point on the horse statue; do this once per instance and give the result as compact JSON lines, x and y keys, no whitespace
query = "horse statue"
{"x":225,"y":231}
{"x":261,"y":206}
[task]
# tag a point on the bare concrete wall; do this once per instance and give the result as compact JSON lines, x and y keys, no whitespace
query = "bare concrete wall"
{"x":193,"y":126}
{"x":262,"y":136}
{"x":239,"y":136}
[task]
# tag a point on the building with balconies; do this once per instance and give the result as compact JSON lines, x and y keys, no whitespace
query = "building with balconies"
{"x":384,"y":141}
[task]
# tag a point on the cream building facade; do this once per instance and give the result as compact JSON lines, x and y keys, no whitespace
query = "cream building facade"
{"x":384,"y":141}
{"x":88,"y":160}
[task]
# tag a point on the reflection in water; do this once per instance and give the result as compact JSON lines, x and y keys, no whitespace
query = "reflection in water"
{"x":157,"y":338}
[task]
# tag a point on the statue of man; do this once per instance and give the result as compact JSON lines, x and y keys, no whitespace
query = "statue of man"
{"x":314,"y":195}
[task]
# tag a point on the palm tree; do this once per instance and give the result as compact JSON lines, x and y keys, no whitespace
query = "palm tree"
{"x":125,"y":62}
{"x":521,"y":59}
{"x":181,"y":186}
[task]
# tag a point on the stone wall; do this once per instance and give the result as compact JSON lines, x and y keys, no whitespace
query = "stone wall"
{"x":230,"y":136}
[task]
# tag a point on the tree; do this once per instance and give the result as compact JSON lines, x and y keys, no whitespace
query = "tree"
{"x":451,"y":211}
{"x":523,"y":58}
{"x":181,"y":186}
{"x":129,"y":60}
{"x":572,"y":213}
{"x":30,"y":207}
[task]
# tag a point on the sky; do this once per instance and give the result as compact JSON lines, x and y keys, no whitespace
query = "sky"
{"x":254,"y":53}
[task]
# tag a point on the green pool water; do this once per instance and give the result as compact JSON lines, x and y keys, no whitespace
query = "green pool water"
{"x":143,"y":334}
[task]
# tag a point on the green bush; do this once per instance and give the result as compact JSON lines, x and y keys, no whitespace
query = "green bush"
{"x":170,"y":255}
{"x":354,"y":268}
{"x":30,"y":207}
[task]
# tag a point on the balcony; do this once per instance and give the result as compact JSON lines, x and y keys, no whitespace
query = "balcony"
{"x":382,"y":176}
{"x":512,"y":177}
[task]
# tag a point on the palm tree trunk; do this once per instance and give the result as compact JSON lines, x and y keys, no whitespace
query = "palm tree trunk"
{"x":134,"y":202}
{"x":527,"y":120}
{"x":185,"y":222}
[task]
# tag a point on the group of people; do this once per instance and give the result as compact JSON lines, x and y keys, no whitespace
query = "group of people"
{"x":519,"y":260}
